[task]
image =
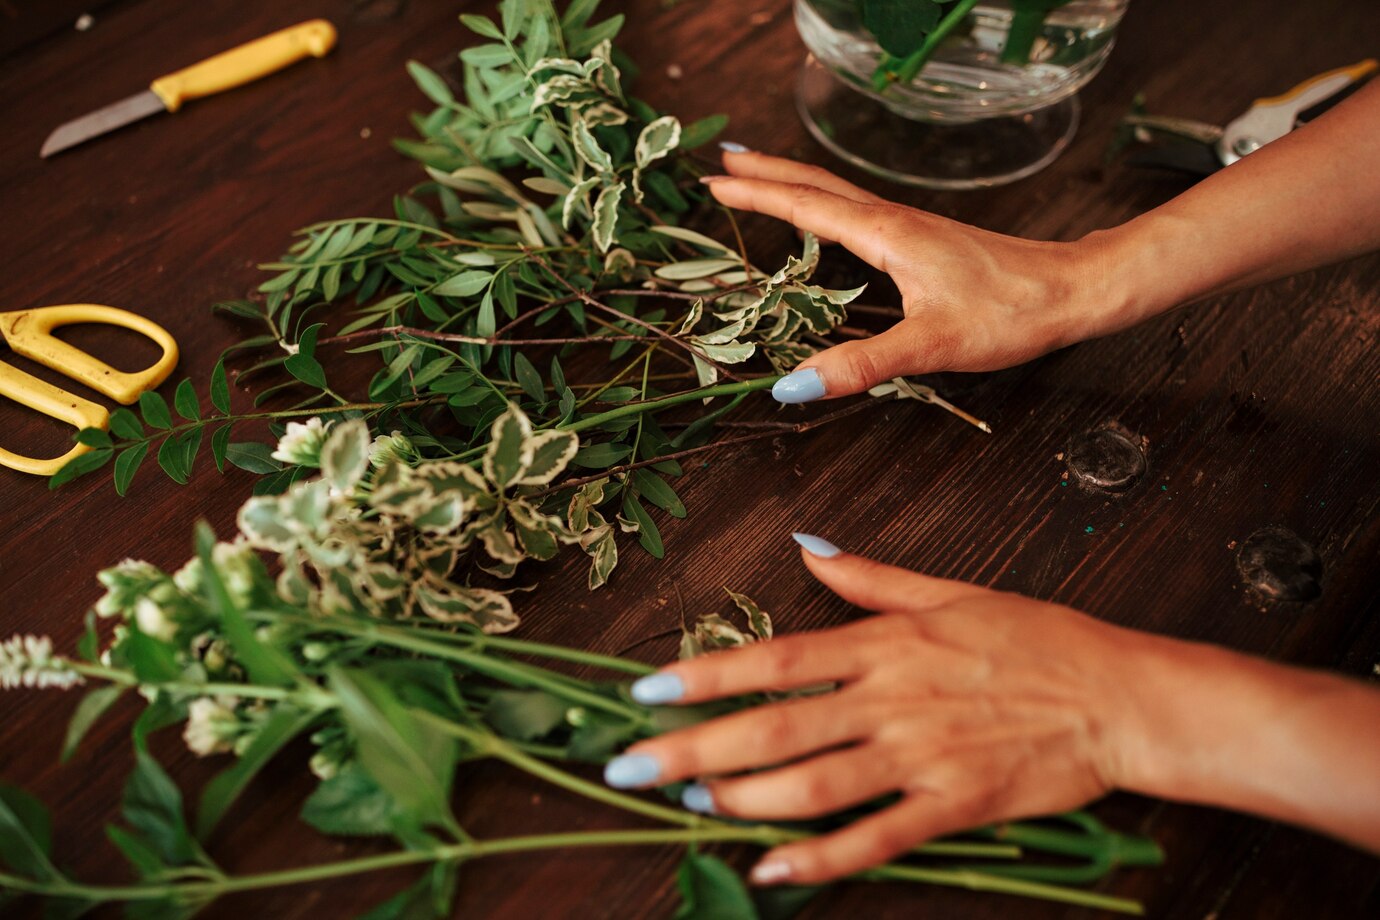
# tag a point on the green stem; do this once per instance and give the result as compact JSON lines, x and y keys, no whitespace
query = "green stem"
{"x":195,"y":891}
{"x":674,"y":399}
{"x":1026,"y":24}
{"x":911,"y":65}
{"x":249,"y":691}
{"x":542,"y":650}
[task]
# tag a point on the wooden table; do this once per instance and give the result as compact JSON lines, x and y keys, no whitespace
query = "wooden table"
{"x":1259,"y":408}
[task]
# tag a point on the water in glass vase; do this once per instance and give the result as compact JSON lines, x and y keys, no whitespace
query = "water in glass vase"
{"x":994,"y":101}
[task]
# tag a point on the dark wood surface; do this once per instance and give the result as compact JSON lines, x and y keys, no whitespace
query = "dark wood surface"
{"x":1258,"y":408}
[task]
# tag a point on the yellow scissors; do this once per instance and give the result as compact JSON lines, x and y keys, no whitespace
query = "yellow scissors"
{"x":30,"y":333}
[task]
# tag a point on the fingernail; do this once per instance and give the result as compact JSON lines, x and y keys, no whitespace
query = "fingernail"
{"x":707,"y":180}
{"x":733,"y":147}
{"x":798,"y":387}
{"x":656,"y":689}
{"x":697,"y":797}
{"x":770,"y":871}
{"x":816,"y":546}
{"x":632,"y":771}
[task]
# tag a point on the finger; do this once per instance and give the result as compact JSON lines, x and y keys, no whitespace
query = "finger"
{"x":912,"y":346}
{"x":749,"y":164}
{"x":787,"y":663}
{"x":813,"y":788}
{"x":876,"y":586}
{"x":865,"y":843}
{"x":861,"y":227}
{"x":759,"y":737}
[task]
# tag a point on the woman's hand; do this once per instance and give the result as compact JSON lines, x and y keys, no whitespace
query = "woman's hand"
{"x":973,"y":300}
{"x":977,"y":706}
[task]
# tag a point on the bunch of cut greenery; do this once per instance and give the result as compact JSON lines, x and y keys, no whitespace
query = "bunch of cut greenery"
{"x":395,"y":704}
{"x":533,"y":306}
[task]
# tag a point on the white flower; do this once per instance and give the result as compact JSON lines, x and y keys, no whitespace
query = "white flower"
{"x":211,"y":725}
{"x":386,"y":447}
{"x":27,"y":661}
{"x":301,"y":443}
{"x":153,"y":621}
{"x":124,"y":584}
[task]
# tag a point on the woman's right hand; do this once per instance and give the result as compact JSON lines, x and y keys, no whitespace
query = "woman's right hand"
{"x":973,"y":300}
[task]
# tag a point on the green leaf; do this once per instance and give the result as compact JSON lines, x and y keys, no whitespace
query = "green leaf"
{"x":220,"y":445}
{"x":525,"y":714}
{"x":659,"y":492}
{"x":508,"y":452}
{"x":647,"y":535}
{"x":465,"y":284}
{"x":265,"y":664}
{"x":220,"y":388}
{"x":528,"y":378}
{"x":140,"y":855}
{"x":600,"y":456}
{"x":656,"y":140}
{"x":91,"y":707}
{"x":606,"y":215}
{"x":154,"y":409}
{"x":481,"y":26}
{"x":711,"y":890}
{"x":410,"y":759}
{"x":89,"y":645}
{"x":172,"y":457}
{"x":900,"y":26}
{"x":350,"y":804}
{"x":551,"y":451}
{"x":79,"y":465}
{"x":345,"y":455}
{"x":699,"y":133}
{"x":284,"y":723}
{"x":125,"y":424}
{"x":252,"y":457}
{"x":306,"y":369}
{"x":127,"y":464}
{"x":26,"y":837}
{"x":152,"y":660}
{"x":186,"y":402}
{"x":589,"y":150}
{"x":153,"y":807}
{"x":430,"y":83}
{"x":94,"y":437}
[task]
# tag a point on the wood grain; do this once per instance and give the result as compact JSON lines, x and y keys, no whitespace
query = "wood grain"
{"x":1258,"y":408}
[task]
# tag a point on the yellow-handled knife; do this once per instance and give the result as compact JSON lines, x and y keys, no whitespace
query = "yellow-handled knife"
{"x":248,"y":62}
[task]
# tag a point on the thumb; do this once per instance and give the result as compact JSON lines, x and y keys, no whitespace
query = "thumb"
{"x":874,"y":585}
{"x":855,"y":366}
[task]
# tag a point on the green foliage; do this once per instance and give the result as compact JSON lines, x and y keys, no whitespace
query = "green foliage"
{"x":711,"y":890}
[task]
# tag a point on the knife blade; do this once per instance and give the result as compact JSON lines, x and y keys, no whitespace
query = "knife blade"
{"x":227,"y":70}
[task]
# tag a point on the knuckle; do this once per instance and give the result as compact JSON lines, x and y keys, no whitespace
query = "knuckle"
{"x":859,"y":367}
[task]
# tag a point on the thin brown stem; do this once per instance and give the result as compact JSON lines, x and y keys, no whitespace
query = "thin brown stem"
{"x":796,"y":428}
{"x":589,"y":300}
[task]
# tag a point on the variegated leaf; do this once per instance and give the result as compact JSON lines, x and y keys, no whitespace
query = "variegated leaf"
{"x":509,"y":452}
{"x":550,"y":452}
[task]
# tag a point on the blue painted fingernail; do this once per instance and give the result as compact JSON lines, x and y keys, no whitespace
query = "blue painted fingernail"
{"x":733,"y":147}
{"x":657,"y":689}
{"x":632,"y":771}
{"x":697,"y":797}
{"x":816,"y":546}
{"x":798,"y":387}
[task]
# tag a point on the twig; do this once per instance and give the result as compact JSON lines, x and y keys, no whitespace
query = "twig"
{"x":589,"y":300}
{"x":796,"y":428}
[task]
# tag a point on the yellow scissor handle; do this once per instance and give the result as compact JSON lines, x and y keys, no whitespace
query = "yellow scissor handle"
{"x":29,"y":333}
{"x":246,"y":63}
{"x":1353,"y":71}
{"x":28,"y":390}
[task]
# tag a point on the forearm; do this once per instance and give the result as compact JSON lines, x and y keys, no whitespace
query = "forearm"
{"x":1215,"y":727}
{"x":1308,"y":199}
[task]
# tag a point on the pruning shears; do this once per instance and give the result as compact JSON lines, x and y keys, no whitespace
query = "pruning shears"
{"x":1201,"y":148}
{"x":30,"y":333}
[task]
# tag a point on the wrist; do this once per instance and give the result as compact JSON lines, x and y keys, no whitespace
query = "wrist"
{"x":1210,"y":726}
{"x":1135,"y":271}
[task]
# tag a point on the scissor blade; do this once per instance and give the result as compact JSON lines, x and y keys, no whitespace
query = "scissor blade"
{"x":102,"y":121}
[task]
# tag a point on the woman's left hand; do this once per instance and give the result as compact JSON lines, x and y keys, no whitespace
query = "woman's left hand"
{"x":974,"y":705}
